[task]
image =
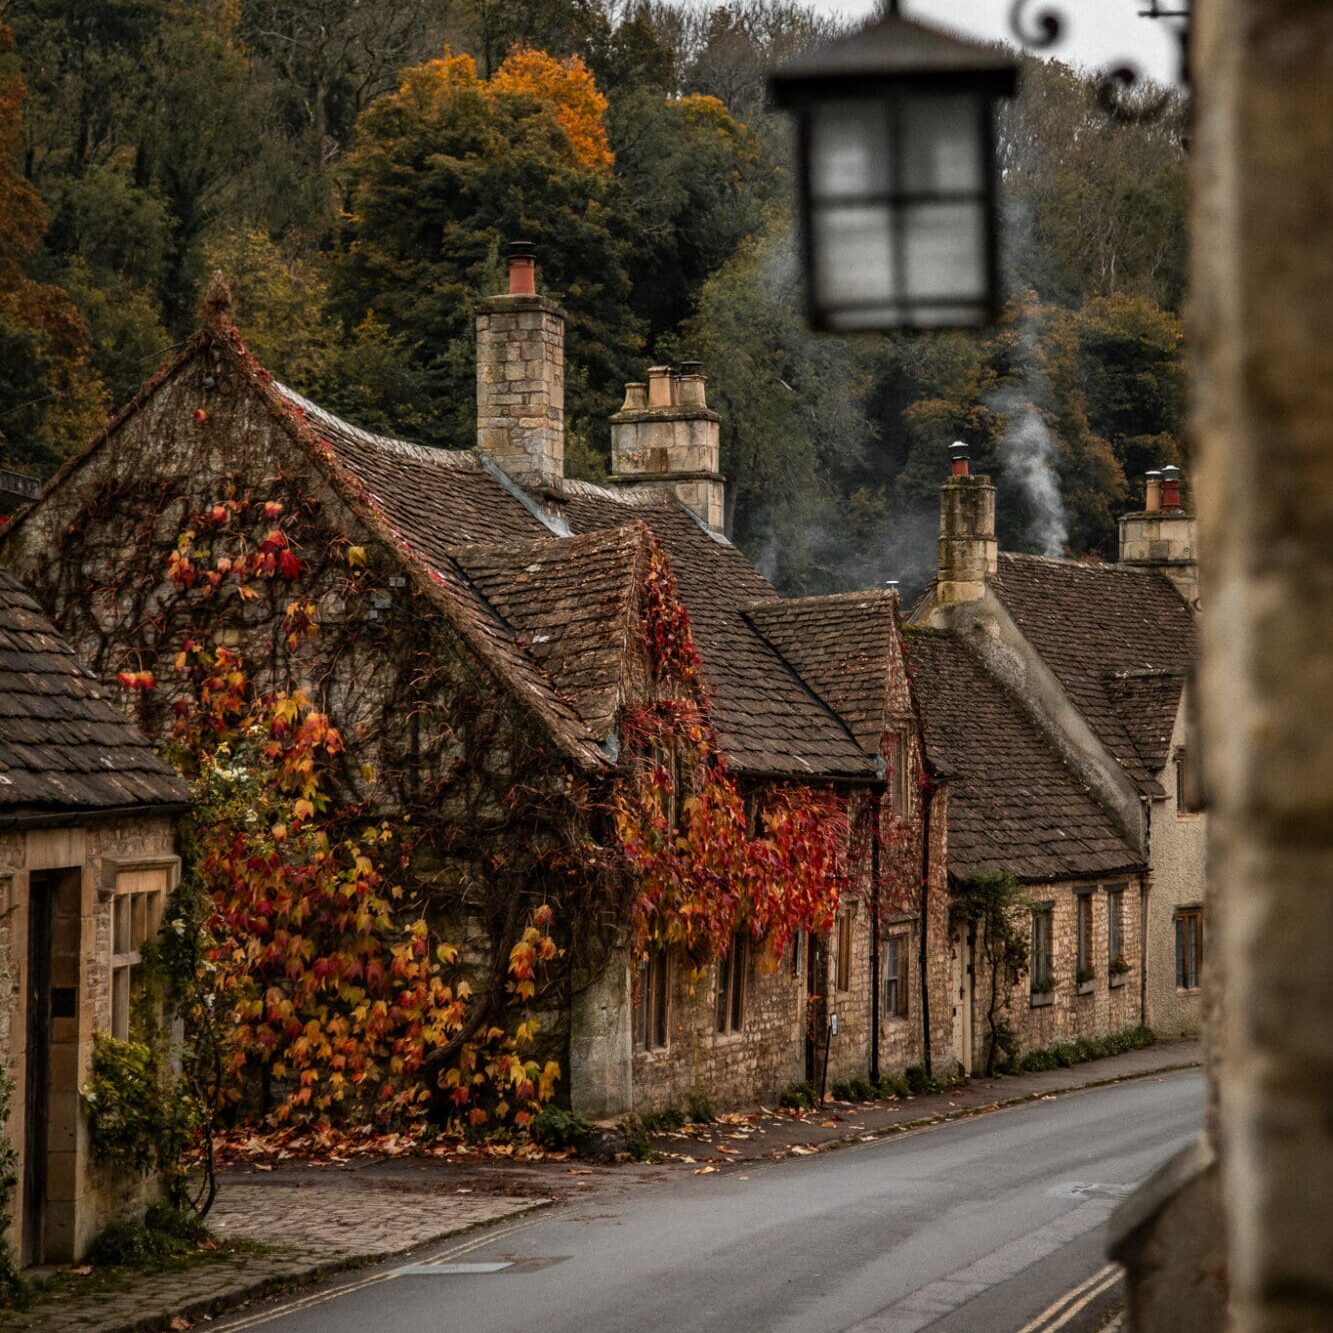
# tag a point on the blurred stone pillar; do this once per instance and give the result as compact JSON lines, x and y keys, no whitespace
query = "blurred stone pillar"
{"x":1261,"y":337}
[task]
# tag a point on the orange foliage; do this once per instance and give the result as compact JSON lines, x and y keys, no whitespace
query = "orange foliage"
{"x":567,"y":87}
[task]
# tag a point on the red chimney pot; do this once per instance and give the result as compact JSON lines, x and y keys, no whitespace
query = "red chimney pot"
{"x":522,"y":269}
{"x":958,"y":464}
{"x":1170,"y":488}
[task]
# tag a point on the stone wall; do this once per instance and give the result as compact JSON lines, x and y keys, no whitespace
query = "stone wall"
{"x":1178,"y":844}
{"x":1094,"y":1008}
{"x":81,"y":1195}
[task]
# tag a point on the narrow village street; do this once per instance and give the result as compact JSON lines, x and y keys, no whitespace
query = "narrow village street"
{"x":977,"y":1226}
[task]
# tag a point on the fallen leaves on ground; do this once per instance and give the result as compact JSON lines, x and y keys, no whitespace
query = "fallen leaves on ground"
{"x":329,"y":1145}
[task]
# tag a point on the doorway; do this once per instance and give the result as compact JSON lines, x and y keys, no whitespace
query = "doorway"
{"x":50,"y":1076}
{"x":962,"y":999}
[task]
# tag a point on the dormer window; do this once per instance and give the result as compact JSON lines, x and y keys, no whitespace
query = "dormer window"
{"x":1188,"y":798}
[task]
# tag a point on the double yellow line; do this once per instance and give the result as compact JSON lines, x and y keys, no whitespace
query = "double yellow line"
{"x":1059,"y":1313}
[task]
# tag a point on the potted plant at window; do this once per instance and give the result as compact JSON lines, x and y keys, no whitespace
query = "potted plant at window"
{"x":1087,"y":980}
{"x":1118,"y":967}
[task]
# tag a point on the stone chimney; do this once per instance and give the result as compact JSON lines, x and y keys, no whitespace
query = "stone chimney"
{"x":1163,"y":535}
{"x":521,"y":379}
{"x":968,"y":550}
{"x":665,"y":434}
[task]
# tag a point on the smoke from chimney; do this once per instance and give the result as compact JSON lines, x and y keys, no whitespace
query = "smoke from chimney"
{"x":1027,"y":456}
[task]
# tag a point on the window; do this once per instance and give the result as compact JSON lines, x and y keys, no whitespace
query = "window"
{"x":1189,"y":947}
{"x":731,"y":979}
{"x":654,"y":987}
{"x":1116,"y":962}
{"x":796,"y":940}
{"x":1086,"y":970}
{"x":895,"y":976}
{"x":1188,"y":799}
{"x":136,"y":913}
{"x":1043,"y":973}
{"x":895,"y":760}
{"x":844,"y":951}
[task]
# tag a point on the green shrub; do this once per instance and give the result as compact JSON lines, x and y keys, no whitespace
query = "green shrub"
{"x":797,"y":1097}
{"x":918,"y":1080}
{"x":654,"y":1122}
{"x":842,"y":1090}
{"x":1063,"y":1054}
{"x":162,"y":1233}
{"x":138,"y":1117}
{"x":636,"y":1139}
{"x":701,"y":1110}
{"x":863,"y":1090}
{"x":892,"y":1085}
{"x":554,"y":1127}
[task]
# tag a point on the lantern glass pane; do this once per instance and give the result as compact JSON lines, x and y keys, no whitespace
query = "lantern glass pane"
{"x":944,"y":251}
{"x":943,"y":138}
{"x":853,"y":255}
{"x":849,"y":149}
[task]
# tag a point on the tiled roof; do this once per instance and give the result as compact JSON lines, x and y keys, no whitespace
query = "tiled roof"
{"x":1148,"y":702}
{"x":64,"y":746}
{"x":569,"y":602}
{"x":1013,"y":804}
{"x":1094,"y":624}
{"x":769,"y":720}
{"x":842,"y":646}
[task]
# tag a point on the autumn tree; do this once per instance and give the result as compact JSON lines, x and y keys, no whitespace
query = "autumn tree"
{"x":49,"y":397}
{"x":450,"y":168}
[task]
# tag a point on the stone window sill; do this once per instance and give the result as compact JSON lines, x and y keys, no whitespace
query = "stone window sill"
{"x":1087,"y":987}
{"x":1189,"y":990}
{"x":1116,"y":981}
{"x":1042,"y":998}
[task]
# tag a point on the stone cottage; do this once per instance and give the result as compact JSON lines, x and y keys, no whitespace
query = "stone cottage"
{"x":1099,"y":656}
{"x":484,"y":656}
{"x":87,"y":857}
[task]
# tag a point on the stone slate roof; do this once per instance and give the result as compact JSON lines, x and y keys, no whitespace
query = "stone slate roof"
{"x":65,"y":748}
{"x":1097,"y":625}
{"x":1013,"y":804}
{"x":570,"y":605}
{"x":440,"y":501}
{"x":841,"y":645}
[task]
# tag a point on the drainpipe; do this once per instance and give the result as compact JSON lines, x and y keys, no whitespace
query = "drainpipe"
{"x":927,"y":792}
{"x":876,"y":803}
{"x":1145,"y":888}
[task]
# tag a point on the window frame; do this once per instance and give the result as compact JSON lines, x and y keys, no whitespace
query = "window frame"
{"x":1187,"y":966}
{"x":843,"y":961}
{"x":732,"y":984}
{"x":136,"y":915}
{"x":1115,"y":933}
{"x":653,"y":1012}
{"x":1189,"y":799}
{"x":896,"y":762}
{"x":896,"y":1002}
{"x":1041,"y":973}
{"x":1085,"y":931}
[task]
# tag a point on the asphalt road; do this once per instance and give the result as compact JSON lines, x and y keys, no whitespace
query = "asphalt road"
{"x":987,"y":1225}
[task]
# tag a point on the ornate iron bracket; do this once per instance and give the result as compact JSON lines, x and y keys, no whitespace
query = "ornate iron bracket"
{"x":1039,"y":24}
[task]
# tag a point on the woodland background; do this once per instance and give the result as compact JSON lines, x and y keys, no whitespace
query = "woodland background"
{"x":356,"y":168}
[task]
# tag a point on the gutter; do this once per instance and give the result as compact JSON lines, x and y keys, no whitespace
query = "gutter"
{"x":81,"y":816}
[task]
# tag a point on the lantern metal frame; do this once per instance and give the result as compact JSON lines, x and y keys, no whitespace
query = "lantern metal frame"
{"x":890,"y":63}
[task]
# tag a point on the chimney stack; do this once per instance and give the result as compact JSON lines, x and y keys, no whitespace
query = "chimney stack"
{"x":521,"y":379}
{"x":969,"y":553}
{"x":665,"y":434}
{"x":1163,"y":536}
